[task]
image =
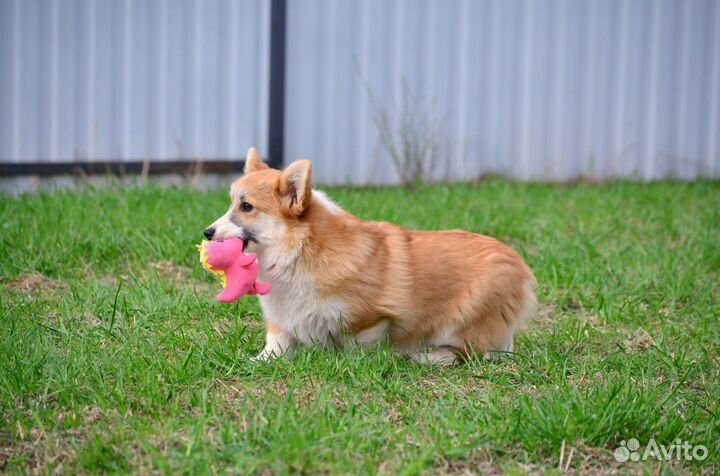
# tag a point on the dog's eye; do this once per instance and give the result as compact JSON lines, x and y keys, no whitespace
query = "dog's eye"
{"x":246,"y":207}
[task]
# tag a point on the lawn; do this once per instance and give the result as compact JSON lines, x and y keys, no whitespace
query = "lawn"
{"x":114,"y":355}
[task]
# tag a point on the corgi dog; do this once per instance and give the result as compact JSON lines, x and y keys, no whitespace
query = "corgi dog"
{"x":437,"y":296}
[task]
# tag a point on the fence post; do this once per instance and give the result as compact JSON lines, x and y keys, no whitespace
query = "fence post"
{"x":276,"y":113}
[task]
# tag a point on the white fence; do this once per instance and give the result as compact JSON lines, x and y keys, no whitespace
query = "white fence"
{"x":535,"y":89}
{"x":132,"y":80}
{"x":553,"y":89}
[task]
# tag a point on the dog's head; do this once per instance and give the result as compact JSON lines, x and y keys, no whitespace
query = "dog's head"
{"x":265,"y":204}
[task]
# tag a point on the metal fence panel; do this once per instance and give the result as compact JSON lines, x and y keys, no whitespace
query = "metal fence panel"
{"x":132,"y":79}
{"x":534,"y":89}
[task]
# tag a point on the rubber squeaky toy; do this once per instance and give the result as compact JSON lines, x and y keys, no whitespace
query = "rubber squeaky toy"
{"x":237,"y":270}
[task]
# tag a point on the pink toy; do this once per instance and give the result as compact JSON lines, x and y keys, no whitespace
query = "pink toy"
{"x":237,"y":269}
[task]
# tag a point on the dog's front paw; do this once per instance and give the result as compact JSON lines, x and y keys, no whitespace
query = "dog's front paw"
{"x":264,"y":356}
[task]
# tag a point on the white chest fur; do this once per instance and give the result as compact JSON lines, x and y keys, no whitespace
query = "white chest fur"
{"x":293,"y":303}
{"x":295,"y":307}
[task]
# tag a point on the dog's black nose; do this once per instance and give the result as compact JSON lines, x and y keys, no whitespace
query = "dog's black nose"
{"x":209,"y":233}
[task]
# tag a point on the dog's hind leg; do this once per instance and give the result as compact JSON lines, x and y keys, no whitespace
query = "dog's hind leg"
{"x":436,"y":356}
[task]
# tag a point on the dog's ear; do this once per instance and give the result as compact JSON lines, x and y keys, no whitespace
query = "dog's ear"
{"x":253,"y":162}
{"x":296,"y":187}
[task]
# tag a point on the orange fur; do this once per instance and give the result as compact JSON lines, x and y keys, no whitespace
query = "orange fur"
{"x":447,"y":289}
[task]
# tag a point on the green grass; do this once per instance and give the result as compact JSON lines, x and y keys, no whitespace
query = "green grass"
{"x":114,"y":355}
